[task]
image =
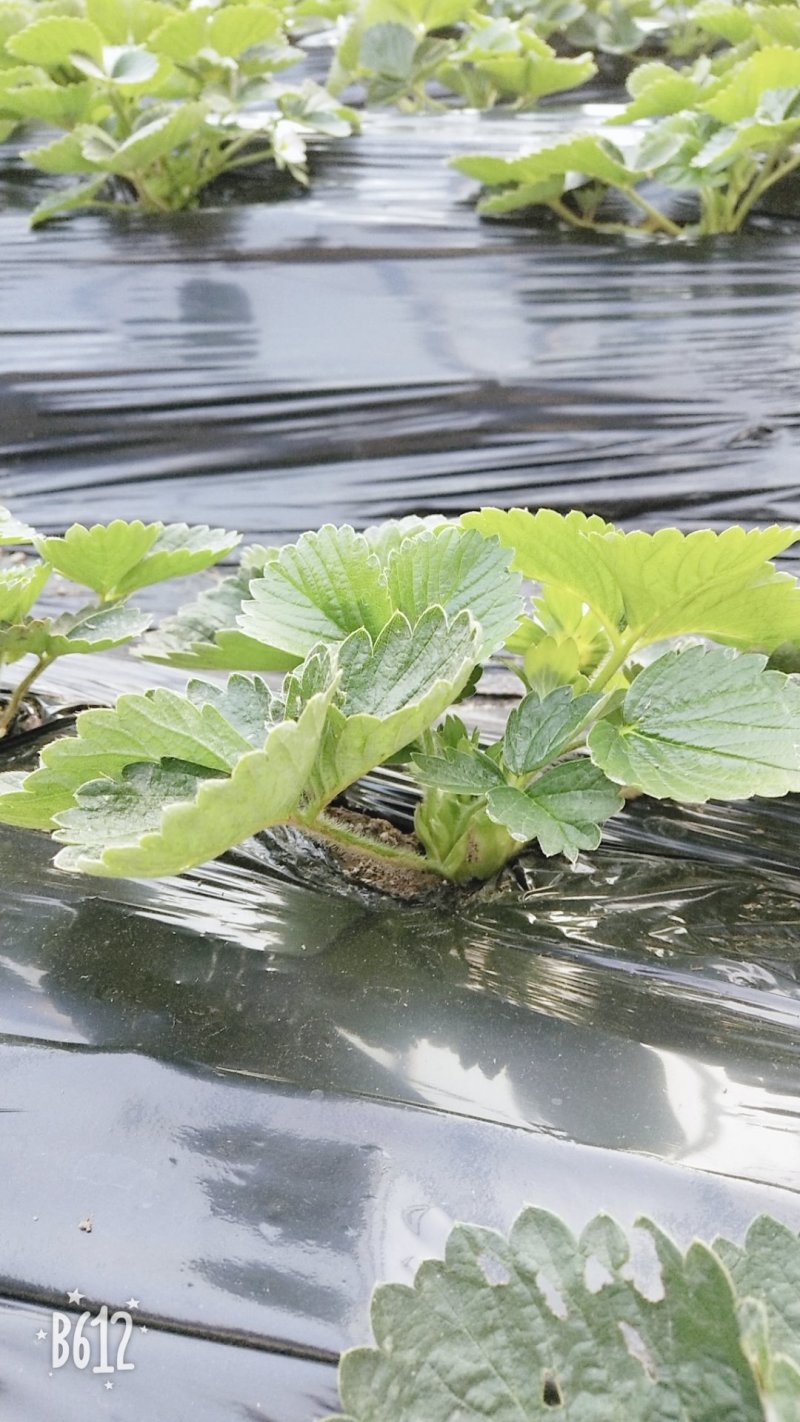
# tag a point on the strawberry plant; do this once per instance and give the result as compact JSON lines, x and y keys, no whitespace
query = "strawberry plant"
{"x":644,"y":660}
{"x":622,"y":28}
{"x":114,"y":561}
{"x":725,"y":133}
{"x":404,"y":51}
{"x":155,"y":102}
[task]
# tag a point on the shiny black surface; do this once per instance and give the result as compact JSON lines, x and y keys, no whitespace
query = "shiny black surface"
{"x":373,"y":349}
{"x":269,"y":1090}
{"x":174,"y":1375}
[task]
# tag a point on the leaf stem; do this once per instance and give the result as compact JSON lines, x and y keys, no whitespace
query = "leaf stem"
{"x":770,"y":174}
{"x":246,"y":161}
{"x":147,"y":198}
{"x":620,"y":651}
{"x":17,"y":697}
{"x":562,"y":210}
{"x":658,"y":218}
{"x":332,"y":830}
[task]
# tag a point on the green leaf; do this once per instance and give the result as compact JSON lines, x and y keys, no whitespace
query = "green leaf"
{"x":95,"y":630}
{"x":540,"y":729}
{"x":482,"y":1333}
{"x":247,"y":703}
{"x":127,"y":21}
{"x":205,"y":36}
{"x":127,"y":828}
{"x":399,"y":667}
{"x":524,"y":195}
{"x":531,"y":76}
{"x":553,"y":662}
{"x":117,"y":558}
{"x":23,"y":638}
{"x":774,"y":68}
{"x":526,"y":635}
{"x":781,"y":1392}
{"x":62,"y":155}
{"x":90,"y":630}
{"x":154,"y":140}
{"x":53,"y":41}
{"x":778,"y":1376}
{"x":236,"y":28}
{"x":456,"y":570}
{"x":99,"y":557}
{"x":714,"y":584}
{"x":20,"y":587}
{"x":388,"y":49}
{"x":767,"y":1268}
{"x":12,"y":531}
{"x":745,"y":137}
{"x":670,"y":147}
{"x":668,"y":95}
{"x":658,"y":585}
{"x":139,"y":729}
{"x":563,"y":809}
{"x":585,"y":153}
{"x":67,"y":201}
{"x":178,"y":550}
{"x":312,"y":108}
{"x":776,"y":24}
{"x":129,"y":66}
{"x":61,"y":104}
{"x":13,"y":17}
{"x":391,"y":690}
{"x":385,"y":538}
{"x":312,"y":676}
{"x":555,"y":548}
{"x":704,"y":724}
{"x":731,"y":22}
{"x":644,"y":76}
{"x":463,"y":771}
{"x":181,"y":36}
{"x":321,"y":588}
{"x":203,"y":634}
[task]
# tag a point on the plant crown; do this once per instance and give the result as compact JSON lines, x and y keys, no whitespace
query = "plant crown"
{"x":648,"y":661}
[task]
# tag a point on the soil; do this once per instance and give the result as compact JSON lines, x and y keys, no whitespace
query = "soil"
{"x":377,"y":873}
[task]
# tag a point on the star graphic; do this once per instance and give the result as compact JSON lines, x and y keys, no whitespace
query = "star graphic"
{"x":75,"y":1296}
{"x":41,"y":1335}
{"x":132,"y":1303}
{"x":143,"y":1328}
{"x":109,"y":1386}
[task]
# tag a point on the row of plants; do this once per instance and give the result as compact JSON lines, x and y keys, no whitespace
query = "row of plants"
{"x":544,"y":1324}
{"x":723,"y":130}
{"x":153,"y":100}
{"x":656,"y":663}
